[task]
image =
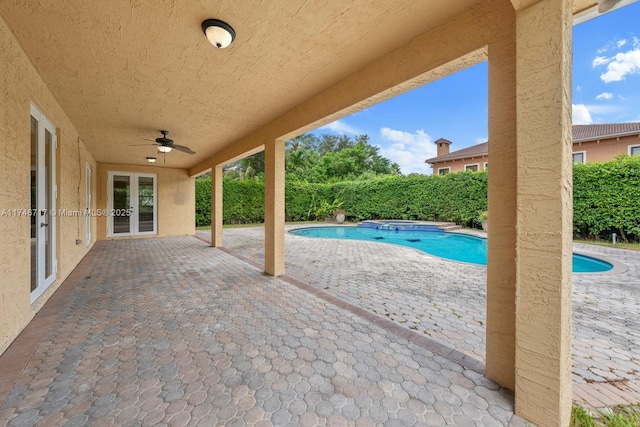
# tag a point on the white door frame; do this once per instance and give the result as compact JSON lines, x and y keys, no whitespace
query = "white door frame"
{"x":88,"y":209}
{"x":134,"y":208}
{"x":45,"y":215}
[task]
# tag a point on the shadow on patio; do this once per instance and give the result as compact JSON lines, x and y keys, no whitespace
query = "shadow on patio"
{"x":170,"y":330}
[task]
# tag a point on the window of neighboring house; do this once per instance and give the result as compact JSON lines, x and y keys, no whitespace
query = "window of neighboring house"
{"x":634,"y":150}
{"x":486,"y":166}
{"x":580,"y":157}
{"x":443,"y":171}
{"x":473,"y":168}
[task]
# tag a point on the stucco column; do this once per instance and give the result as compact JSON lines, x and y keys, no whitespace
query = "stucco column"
{"x":274,"y":208}
{"x":544,"y":225}
{"x":216,"y":205}
{"x":501,"y":256}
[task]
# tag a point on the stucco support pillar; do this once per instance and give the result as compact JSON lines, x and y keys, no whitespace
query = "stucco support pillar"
{"x":501,"y":257}
{"x":274,"y":208}
{"x":216,"y":206}
{"x":544,"y":225}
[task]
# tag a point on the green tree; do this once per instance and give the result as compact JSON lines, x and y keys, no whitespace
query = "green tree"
{"x":331,"y":158}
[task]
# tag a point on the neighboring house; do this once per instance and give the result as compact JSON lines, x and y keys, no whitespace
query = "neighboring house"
{"x":591,"y":143}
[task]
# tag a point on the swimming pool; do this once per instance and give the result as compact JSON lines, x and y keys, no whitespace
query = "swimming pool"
{"x":453,"y":246}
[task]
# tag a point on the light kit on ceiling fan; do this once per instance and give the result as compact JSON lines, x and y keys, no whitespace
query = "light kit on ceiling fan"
{"x":219,"y":33}
{"x":165,"y":145}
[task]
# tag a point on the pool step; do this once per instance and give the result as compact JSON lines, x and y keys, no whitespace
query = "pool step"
{"x":410,"y":225}
{"x":449,"y":226}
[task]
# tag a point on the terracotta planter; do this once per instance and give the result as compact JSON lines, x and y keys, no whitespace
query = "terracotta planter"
{"x":485,"y":225}
{"x":339,"y":217}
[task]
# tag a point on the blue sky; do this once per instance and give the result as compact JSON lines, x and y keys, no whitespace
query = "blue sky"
{"x":606,"y":89}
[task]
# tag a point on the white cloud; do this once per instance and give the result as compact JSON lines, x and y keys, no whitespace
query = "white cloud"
{"x":481,"y":139}
{"x":578,"y":88}
{"x":621,"y":65}
{"x":605,"y":95}
{"x":600,"y":60}
{"x":408,"y":149}
{"x":613,"y":45}
{"x":581,"y":114}
{"x":341,"y":127}
{"x":604,"y":109}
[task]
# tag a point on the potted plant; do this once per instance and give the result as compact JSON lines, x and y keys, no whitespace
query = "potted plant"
{"x":484,"y":220}
{"x":328,"y":211}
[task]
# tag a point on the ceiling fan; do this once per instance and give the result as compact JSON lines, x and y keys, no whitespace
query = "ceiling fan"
{"x":165,"y":144}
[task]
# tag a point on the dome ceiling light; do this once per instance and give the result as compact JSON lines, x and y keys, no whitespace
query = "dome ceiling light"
{"x":219,"y":33}
{"x":606,"y":5}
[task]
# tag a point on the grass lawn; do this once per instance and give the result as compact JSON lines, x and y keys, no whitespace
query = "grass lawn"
{"x":628,"y":416}
{"x":619,"y":245}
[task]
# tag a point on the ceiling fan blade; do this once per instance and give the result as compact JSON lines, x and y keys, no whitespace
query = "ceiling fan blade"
{"x":147,"y":139}
{"x":183,"y":149}
{"x":140,"y":145}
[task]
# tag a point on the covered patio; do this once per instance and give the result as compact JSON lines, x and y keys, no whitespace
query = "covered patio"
{"x":172,"y":331}
{"x":84,"y":84}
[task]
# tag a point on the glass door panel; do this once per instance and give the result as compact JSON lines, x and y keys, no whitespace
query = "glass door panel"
{"x":43,"y":193}
{"x":121,"y":209}
{"x":146,"y":204}
{"x":48,"y":205}
{"x":34,"y":203}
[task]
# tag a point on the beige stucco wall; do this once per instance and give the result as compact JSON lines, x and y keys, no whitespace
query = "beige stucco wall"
{"x":606,"y":149}
{"x":20,"y":85}
{"x":176,"y":201}
{"x":459,"y":164}
{"x":544,"y":213}
{"x":502,"y":204}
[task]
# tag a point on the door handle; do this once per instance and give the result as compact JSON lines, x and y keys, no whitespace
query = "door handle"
{"x":42,"y":224}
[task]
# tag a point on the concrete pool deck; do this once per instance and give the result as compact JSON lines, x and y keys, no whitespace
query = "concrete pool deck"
{"x":445,"y":301}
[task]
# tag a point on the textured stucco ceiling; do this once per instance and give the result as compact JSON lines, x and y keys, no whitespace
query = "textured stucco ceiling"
{"x":123,"y":69}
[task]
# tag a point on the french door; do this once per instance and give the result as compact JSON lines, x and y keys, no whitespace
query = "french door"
{"x":43,"y":203}
{"x":132,"y":204}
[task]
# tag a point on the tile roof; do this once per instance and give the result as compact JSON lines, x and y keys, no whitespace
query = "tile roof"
{"x":473,"y":151}
{"x":580,"y":133}
{"x":585,"y":132}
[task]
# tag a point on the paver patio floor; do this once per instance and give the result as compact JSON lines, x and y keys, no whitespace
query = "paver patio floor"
{"x":169,"y":331}
{"x":446,"y":301}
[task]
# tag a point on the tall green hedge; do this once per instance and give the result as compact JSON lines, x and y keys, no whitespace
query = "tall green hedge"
{"x":413,"y":197}
{"x":606,"y":198}
{"x":243,"y":201}
{"x":203,"y":201}
{"x":457,"y":197}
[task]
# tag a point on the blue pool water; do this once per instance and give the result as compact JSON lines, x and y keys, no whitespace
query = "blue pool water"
{"x":453,"y":246}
